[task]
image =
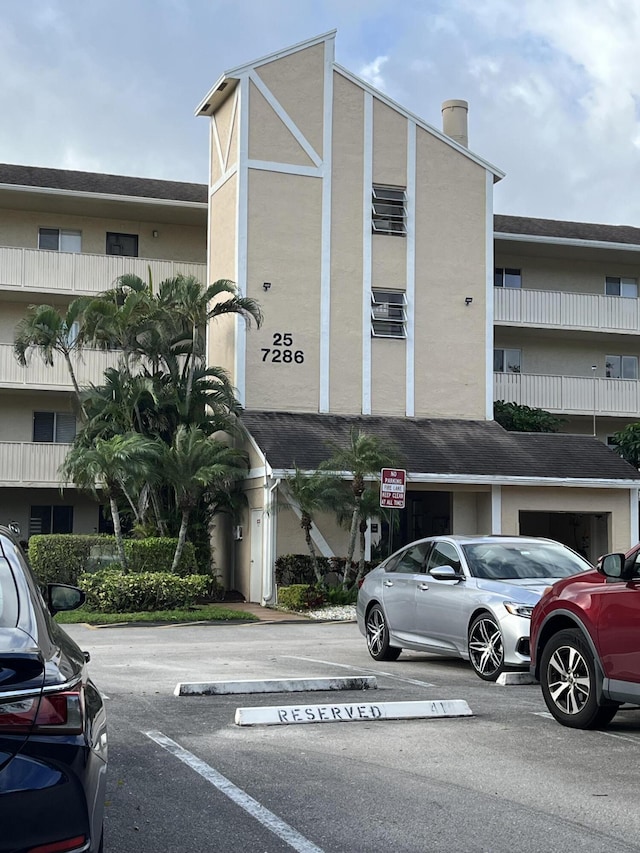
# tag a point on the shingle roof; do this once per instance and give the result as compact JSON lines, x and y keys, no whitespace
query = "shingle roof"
{"x":438,"y":446}
{"x":566,"y":230}
{"x":93,"y":182}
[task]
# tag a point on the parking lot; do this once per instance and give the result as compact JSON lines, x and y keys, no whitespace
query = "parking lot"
{"x":184,"y":777}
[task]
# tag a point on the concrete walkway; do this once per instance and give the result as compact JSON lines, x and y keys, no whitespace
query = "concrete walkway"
{"x":265,"y":614}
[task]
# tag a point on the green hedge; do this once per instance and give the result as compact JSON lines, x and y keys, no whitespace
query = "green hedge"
{"x":300,"y":596}
{"x":298,"y":568}
{"x":62,"y":558}
{"x":113,"y":591}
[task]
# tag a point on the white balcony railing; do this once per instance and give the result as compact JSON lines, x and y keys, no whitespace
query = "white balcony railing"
{"x":88,"y":368}
{"x":551,"y":308}
{"x":26,"y":464}
{"x":579,"y":395}
{"x":75,"y":274}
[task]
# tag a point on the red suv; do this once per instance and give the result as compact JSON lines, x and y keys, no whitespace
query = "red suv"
{"x":585,"y":642}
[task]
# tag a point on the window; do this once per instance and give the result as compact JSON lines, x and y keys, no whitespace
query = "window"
{"x":614,"y":286}
{"x":54,"y":427}
{"x":413,"y":559}
{"x":507,"y":360}
{"x":621,"y":366}
{"x":50,"y":519}
{"x":60,"y":240}
{"x":444,"y":554}
{"x":388,"y":314}
{"x":506,"y":277}
{"x":122,"y":244}
{"x":389,"y":213}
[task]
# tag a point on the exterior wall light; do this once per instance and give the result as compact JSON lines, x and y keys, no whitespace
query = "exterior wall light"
{"x":468,"y":300}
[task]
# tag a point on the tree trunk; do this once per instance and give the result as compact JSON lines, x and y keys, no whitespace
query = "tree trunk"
{"x":74,"y":382}
{"x":182,"y":538}
{"x":363,"y":545}
{"x":306,"y":524}
{"x":117,"y":529}
{"x":157,"y":511}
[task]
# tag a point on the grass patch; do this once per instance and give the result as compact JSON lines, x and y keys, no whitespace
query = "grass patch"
{"x":202,"y":613}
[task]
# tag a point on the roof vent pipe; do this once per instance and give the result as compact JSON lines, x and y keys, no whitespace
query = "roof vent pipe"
{"x":454,"y":121}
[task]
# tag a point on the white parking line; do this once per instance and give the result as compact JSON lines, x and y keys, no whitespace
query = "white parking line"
{"x":635,"y":740}
{"x":363,"y":669}
{"x":268,"y":819}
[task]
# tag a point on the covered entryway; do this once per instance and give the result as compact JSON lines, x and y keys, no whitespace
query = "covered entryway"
{"x":585,"y":532}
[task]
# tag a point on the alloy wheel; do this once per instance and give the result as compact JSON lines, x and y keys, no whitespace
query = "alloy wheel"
{"x":485,"y":647}
{"x":375,"y":632}
{"x":568,"y":680}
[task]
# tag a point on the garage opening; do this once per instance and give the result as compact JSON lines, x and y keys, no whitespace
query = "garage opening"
{"x":585,"y":532}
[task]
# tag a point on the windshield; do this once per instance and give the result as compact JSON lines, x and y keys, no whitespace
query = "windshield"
{"x":508,"y":560}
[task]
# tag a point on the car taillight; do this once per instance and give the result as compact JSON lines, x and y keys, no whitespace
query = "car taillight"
{"x":65,"y":846}
{"x":50,"y":713}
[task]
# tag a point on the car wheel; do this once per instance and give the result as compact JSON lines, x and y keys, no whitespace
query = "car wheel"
{"x":568,"y":681}
{"x":486,"y":651}
{"x":378,"y":636}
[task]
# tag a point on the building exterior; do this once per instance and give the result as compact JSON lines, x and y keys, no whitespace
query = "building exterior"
{"x":368,"y":236}
{"x":65,"y":234}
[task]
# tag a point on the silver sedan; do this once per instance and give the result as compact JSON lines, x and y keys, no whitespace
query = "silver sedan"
{"x":468,"y":596}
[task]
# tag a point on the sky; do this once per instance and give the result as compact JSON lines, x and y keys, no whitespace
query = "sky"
{"x":553,"y":85}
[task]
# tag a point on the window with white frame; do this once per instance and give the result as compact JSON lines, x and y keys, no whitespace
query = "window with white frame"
{"x":621,"y":366}
{"x":388,"y":314}
{"x":617,"y":286}
{"x":54,"y":427}
{"x":507,"y":277}
{"x":389,"y":210}
{"x":60,"y":240}
{"x":507,"y":360}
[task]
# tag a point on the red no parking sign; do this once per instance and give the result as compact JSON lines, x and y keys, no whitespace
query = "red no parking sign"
{"x":393,"y":484}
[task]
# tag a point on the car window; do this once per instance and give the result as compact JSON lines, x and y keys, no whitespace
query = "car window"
{"x":506,"y":560}
{"x":413,"y":559}
{"x":8,"y":596}
{"x":444,"y":554}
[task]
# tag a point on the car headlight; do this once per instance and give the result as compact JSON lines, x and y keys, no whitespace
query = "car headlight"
{"x":516,"y":609}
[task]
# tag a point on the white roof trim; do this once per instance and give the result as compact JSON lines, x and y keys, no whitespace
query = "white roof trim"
{"x":566,"y":241}
{"x":270,"y":57}
{"x":419,"y":121}
{"x":488,"y":480}
{"x":93,"y":196}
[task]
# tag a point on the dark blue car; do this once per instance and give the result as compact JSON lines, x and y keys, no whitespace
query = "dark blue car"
{"x":53,"y":740}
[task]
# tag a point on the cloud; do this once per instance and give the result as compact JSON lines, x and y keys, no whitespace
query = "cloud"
{"x":372,"y":72}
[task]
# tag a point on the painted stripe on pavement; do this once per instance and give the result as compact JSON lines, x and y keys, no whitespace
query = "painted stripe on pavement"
{"x":267,"y":818}
{"x":363,"y":669}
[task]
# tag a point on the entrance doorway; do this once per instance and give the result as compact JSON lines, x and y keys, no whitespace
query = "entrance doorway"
{"x":425,"y":514}
{"x":585,"y":532}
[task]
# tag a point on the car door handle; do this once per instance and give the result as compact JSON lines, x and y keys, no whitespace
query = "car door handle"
{"x":387,"y":583}
{"x":422,"y":586}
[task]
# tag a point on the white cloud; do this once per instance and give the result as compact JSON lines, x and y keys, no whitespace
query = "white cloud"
{"x":372,"y":72}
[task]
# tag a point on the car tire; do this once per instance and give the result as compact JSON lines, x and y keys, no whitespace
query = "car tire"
{"x":377,"y":633}
{"x":485,"y":646}
{"x":569,"y":683}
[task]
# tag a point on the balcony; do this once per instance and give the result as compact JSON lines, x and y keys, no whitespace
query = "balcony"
{"x":33,"y":270}
{"x":554,"y":309}
{"x":26,"y":464}
{"x":570,"y":395}
{"x":89,"y":368}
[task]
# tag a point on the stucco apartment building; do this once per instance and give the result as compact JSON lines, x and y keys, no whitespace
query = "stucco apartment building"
{"x":368,"y":237}
{"x":64,"y":234}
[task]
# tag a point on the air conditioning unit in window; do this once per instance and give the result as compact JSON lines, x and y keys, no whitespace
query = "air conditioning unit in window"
{"x":237,"y":533}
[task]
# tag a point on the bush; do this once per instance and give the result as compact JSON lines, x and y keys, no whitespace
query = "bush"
{"x":338,"y":595}
{"x":298,"y":569}
{"x":113,"y":591}
{"x":62,"y":557}
{"x":155,"y":554}
{"x":300,"y":596}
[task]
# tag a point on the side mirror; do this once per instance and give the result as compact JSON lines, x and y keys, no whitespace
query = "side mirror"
{"x":612,"y":565}
{"x":61,"y":596}
{"x":445,"y":573}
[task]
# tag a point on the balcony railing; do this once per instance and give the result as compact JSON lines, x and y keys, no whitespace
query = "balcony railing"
{"x":571,"y":395}
{"x":551,"y":308}
{"x":75,"y":274}
{"x":88,"y":368}
{"x":26,"y":464}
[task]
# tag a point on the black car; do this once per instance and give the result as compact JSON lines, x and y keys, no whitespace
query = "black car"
{"x":53,"y":740}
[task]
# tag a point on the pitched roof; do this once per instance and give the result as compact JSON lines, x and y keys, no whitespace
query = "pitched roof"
{"x":557,"y":228}
{"x":438,"y":446}
{"x":94,"y":182}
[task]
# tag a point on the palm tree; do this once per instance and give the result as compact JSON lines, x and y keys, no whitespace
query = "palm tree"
{"x":116,"y":467}
{"x":195,"y":304}
{"x":50,"y":330}
{"x":193,"y":464}
{"x":363,"y":457}
{"x":311,"y":494}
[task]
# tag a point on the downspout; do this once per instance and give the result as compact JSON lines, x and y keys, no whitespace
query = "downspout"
{"x":268,"y":548}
